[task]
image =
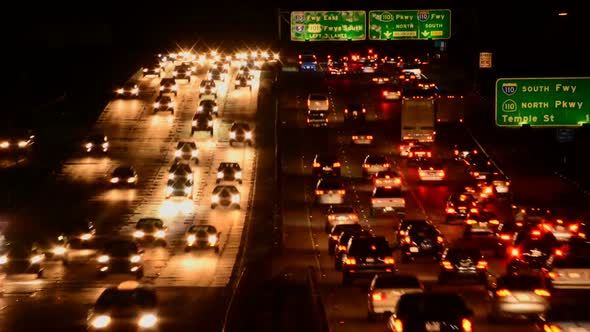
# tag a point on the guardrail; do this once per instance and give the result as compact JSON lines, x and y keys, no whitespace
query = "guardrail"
{"x":318,"y":308}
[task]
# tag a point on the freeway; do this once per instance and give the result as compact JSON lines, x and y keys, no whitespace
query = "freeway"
{"x":195,"y":285}
{"x":305,"y":241}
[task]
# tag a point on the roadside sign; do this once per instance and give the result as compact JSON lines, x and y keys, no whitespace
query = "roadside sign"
{"x":543,"y":102}
{"x":485,"y":59}
{"x":328,"y":25}
{"x":566,"y":135}
{"x":410,"y":24}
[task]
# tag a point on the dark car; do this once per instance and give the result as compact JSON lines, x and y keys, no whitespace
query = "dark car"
{"x":482,"y":172}
{"x":367,"y":256}
{"x":459,"y":205}
{"x":419,"y":153}
{"x":506,"y":232}
{"x":326,"y":164}
{"x":481,"y":220}
{"x":463,"y":263}
{"x":202,"y":122}
{"x":182,"y":72}
{"x":129,"y":89}
{"x":168,"y":85}
{"x":355,"y":112}
{"x":243,"y":81}
{"x":215,"y":75}
{"x":16,"y":141}
{"x":150,"y":229}
{"x":202,"y":237}
{"x":337,"y":230}
{"x":240,"y":132}
{"x":186,"y":151}
{"x":404,"y":225}
{"x":120,"y":256}
{"x":225,"y":196}
{"x":229,"y":171}
{"x":153,"y":68}
{"x":207,"y":87}
{"x":531,"y":254}
{"x":164,"y":104}
{"x":341,"y":246}
{"x":126,"y":307}
{"x":316,"y":119}
{"x":96,"y":143}
{"x":179,"y":187}
{"x":124,"y":175}
{"x":21,"y":258}
{"x":431,"y":311}
{"x":208,"y":106}
{"x":181,"y":171}
{"x":422,"y":240}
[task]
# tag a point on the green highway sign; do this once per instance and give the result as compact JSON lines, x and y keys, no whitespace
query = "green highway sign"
{"x":328,"y":25}
{"x":543,"y":102}
{"x":410,"y":24}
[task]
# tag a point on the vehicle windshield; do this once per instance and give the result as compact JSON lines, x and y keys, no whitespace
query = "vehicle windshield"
{"x":342,"y":209}
{"x":430,"y":307}
{"x":376,"y":160}
{"x":399,"y":281}
{"x":120,"y":248}
{"x":121,"y":172}
{"x":520,"y":282}
{"x":126,"y":299}
{"x":307,"y":58}
{"x":318,"y":98}
{"x":367,"y":246}
{"x":463,"y":254}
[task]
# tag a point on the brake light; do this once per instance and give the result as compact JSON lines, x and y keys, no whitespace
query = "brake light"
{"x":389,"y":260}
{"x":473,"y":210}
{"x":385,"y":93}
{"x":582,"y":235}
{"x":542,"y":292}
{"x":319,"y":192}
{"x":331,"y":217}
{"x":547,"y":227}
{"x":410,"y":154}
{"x":519,"y":224}
{"x":408,"y":239}
{"x":341,"y":192}
{"x":355,"y":137}
{"x":386,"y":165}
{"x":503,"y":293}
{"x":558,"y":252}
{"x":402,"y":232}
{"x":307,"y":120}
{"x":397,"y":180}
{"x":494,"y":222}
{"x":341,"y":248}
{"x":364,"y":110}
{"x":336,"y":164}
{"x":552,"y":328}
{"x":398,"y":326}
{"x":466,"y":325}
{"x":378,"y":296}
{"x":377,"y":181}
{"x":505,"y":237}
{"x":447,"y":265}
{"x":515,"y":252}
{"x":316,"y":165}
{"x":429,"y":154}
{"x":370,"y":137}
{"x":475,"y":173}
{"x":350,"y":261}
{"x":573,"y":228}
{"x":439,"y":239}
{"x":470,"y":222}
{"x":440,"y":173}
{"x":552,"y":274}
{"x":536,"y":232}
{"x":365,"y":165}
{"x":482,"y":265}
{"x":334,"y":237}
{"x":373,"y":201}
{"x":451,"y":210}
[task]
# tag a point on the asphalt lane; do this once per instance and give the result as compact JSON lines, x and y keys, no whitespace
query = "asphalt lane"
{"x":193,"y":288}
{"x":305,"y":239}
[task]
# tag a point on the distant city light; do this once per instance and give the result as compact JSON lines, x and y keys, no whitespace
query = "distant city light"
{"x":562,"y":14}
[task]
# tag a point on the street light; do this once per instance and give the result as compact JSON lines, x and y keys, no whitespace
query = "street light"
{"x":562,"y":14}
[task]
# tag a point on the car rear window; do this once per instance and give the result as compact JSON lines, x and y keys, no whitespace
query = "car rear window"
{"x":464,"y":254}
{"x":519,"y":282}
{"x":388,"y":193}
{"x":318,"y":98}
{"x":376,"y":160}
{"x":431,"y":307}
{"x":368,"y":246}
{"x":387,"y":281}
{"x":580,"y":262}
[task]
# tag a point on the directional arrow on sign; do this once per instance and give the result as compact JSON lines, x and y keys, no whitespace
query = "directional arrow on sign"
{"x":425,"y":33}
{"x":387,"y":34}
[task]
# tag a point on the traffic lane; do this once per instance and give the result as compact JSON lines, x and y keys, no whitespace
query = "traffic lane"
{"x":66,"y":309}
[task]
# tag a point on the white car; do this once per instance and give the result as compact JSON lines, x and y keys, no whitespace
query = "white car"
{"x":386,"y":290}
{"x":388,"y":199}
{"x":405,"y":146}
{"x":387,"y":179}
{"x":341,"y":215}
{"x":330,"y":191}
{"x":318,"y":102}
{"x":431,"y":171}
{"x":374,"y":164}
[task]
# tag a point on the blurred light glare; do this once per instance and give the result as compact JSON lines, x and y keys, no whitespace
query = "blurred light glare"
{"x":562,"y":14}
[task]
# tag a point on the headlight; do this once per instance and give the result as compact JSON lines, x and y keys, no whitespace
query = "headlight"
{"x":178,"y":153}
{"x":145,"y":70}
{"x":132,"y":179}
{"x":147,"y":321}
{"x":22,"y":144}
{"x":235,"y":199}
{"x":36,"y":259}
{"x":169,"y":190}
{"x":4,"y":145}
{"x":215,"y":108}
{"x":232,"y":134}
{"x":171,"y":105}
{"x":188,"y":190}
{"x":160,"y":234}
{"x":202,"y":90}
{"x":219,"y":175}
{"x":174,"y":88}
{"x":114,"y":180}
{"x":103,"y":258}
{"x":238,"y":175}
{"x":88,"y":145}
{"x":86,"y":236}
{"x":161,"y":88}
{"x":156,"y":105}
{"x":105,"y":144}
{"x":101,"y":321}
{"x":210,"y":123}
{"x":191,"y":239}
{"x":200,"y":109}
{"x":175,"y":73}
{"x":120,"y":91}
{"x":138,"y":234}
{"x":248,"y":135}
{"x":170,"y":176}
{"x":157,"y":70}
{"x":194,"y":123}
{"x":135,"y":259}
{"x":58,"y":251}
{"x":212,"y":239}
{"x":195,"y":153}
{"x":214,"y":199}
{"x":213,"y":90}
{"x":135,"y":91}
{"x":3,"y":259}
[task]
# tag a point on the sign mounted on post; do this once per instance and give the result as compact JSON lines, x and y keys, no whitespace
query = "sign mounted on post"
{"x":328,"y":25}
{"x":485,"y":60}
{"x":543,"y":102}
{"x":425,"y":24}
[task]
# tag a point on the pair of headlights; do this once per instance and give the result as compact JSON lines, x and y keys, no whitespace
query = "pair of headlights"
{"x":106,"y":258}
{"x":147,"y":320}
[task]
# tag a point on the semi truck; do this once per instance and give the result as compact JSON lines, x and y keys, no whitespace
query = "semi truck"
{"x":450,"y":108}
{"x":417,"y":118}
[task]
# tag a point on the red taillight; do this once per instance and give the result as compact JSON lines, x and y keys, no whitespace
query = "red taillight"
{"x":475,"y":173}
{"x":439,"y":239}
{"x":573,"y":228}
{"x":319,"y":192}
{"x":355,"y":137}
{"x":542,"y":292}
{"x":385,"y":93}
{"x":429,"y":154}
{"x":334,"y":237}
{"x":336,"y":164}
{"x":482,"y":265}
{"x":505,"y":237}
{"x":350,"y":261}
{"x":470,"y":222}
{"x":515,"y":252}
{"x":386,"y":165}
{"x":551,"y":328}
{"x":341,"y":192}
{"x":466,"y":325}
{"x":552,"y":275}
{"x":341,"y":248}
{"x":447,"y":265}
{"x":373,"y":201}
{"x":410,"y":154}
{"x":473,"y":210}
{"x":558,"y":252}
{"x":451,"y":210}
{"x":503,"y":293}
{"x":366,"y":165}
{"x":389,"y":260}
{"x":536,"y":232}
{"x":398,"y":326}
{"x":378,"y":296}
{"x":370,"y":137}
{"x":316,"y":165}
{"x":408,"y":239}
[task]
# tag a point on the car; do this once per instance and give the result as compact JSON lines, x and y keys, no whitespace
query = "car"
{"x":362,"y":136}
{"x":180,"y":170}
{"x":222,"y":66}
{"x":341,"y":245}
{"x":419,"y":153}
{"x":307,"y":62}
{"x":317,"y":118}
{"x":330,"y":191}
{"x":340,"y":215}
{"x":243,"y":81}
{"x":240,"y":132}
{"x":500,"y":185}
{"x":154,"y":69}
{"x":186,"y":151}
{"x":480,"y":220}
{"x":392,"y":91}
{"x":422,"y":239}
{"x":337,"y":68}
{"x":459,"y":205}
{"x":124,"y":175}
{"x":463,"y":263}
{"x":128,"y":304}
{"x":369,"y":66}
{"x":244,"y":70}
{"x":431,"y":311}
{"x":571,"y":270}
{"x":182,"y":72}
{"x":432,"y":171}
{"x":76,"y":250}
{"x":120,"y":256}
{"x":202,"y":122}
{"x":506,"y":233}
{"x":208,"y":106}
{"x":385,"y":291}
{"x":472,"y":159}
{"x":326,"y":165}
{"x":202,"y":237}
{"x":337,"y":230}
{"x":150,"y":230}
{"x":164,"y":103}
{"x":180,"y":187}
{"x":21,"y":257}
{"x":387,"y":179}
{"x":404,"y":225}
{"x":380,"y":79}
{"x":519,"y":295}
{"x":388,"y":199}
{"x":531,"y":254}
{"x":355,"y":113}
{"x":482,"y":172}
{"x":562,"y":228}
{"x":529,"y":214}
{"x":96,"y":143}
{"x":407,"y":79}
{"x":215,"y":74}
{"x":567,"y":317}
{"x":226,"y":196}
{"x":129,"y":89}
{"x":375,"y":163}
{"x":462,"y":150}
{"x":367,"y":256}
{"x":426,"y":84}
{"x":405,"y":145}
{"x":190,"y":66}
{"x":318,"y":102}
{"x":207,"y":87}
{"x":229,"y":171}
{"x":168,"y":85}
